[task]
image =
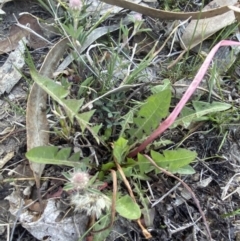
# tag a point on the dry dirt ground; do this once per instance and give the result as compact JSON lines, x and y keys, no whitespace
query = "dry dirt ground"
{"x":173,"y":216}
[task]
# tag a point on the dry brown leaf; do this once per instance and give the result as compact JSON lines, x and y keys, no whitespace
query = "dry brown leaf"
{"x":17,"y":33}
{"x":11,"y":43}
{"x":209,"y":26}
{"x":36,"y":120}
{"x":34,"y":206}
{"x":165,"y":15}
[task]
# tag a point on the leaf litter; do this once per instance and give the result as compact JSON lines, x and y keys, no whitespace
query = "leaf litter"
{"x":208,"y":142}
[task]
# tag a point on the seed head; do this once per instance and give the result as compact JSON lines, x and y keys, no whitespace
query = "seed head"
{"x":91,"y":203}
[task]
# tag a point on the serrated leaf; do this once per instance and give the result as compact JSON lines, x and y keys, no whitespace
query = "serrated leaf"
{"x":74,"y":157}
{"x":127,"y":119}
{"x":72,"y":107}
{"x":83,"y":118}
{"x":150,"y":114}
{"x":173,"y":159}
{"x":108,"y":166}
{"x":186,"y":117}
{"x":127,"y":208}
{"x":158,"y":88}
{"x":131,"y":162}
{"x":94,"y":131}
{"x":128,"y":171}
{"x":51,"y":155}
{"x":189,"y":115}
{"x":43,"y":152}
{"x":120,"y":149}
{"x":58,"y":93}
{"x":161,"y":143}
{"x":204,"y":108}
{"x":63,"y":154}
{"x":144,"y":165}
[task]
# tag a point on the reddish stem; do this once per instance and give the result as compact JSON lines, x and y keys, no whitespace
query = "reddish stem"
{"x":192,"y":87}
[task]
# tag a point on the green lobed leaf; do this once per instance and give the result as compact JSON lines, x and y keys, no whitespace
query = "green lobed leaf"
{"x":173,"y":160}
{"x":189,"y":115}
{"x":158,"y":88}
{"x":128,"y":171}
{"x":204,"y":108}
{"x":74,"y":157}
{"x":83,"y":118}
{"x":161,"y":143}
{"x":150,"y":114}
{"x":108,"y":166}
{"x":107,"y":133}
{"x":94,"y":131}
{"x":45,"y":152}
{"x":131,"y":162}
{"x":120,"y":149}
{"x":144,"y":165}
{"x":72,"y":107}
{"x":51,"y":155}
{"x":127,"y":208}
{"x":127,"y":119}
{"x":58,"y":93}
{"x":63,"y":154}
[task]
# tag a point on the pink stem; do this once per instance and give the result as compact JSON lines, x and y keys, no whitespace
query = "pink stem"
{"x":192,"y":87}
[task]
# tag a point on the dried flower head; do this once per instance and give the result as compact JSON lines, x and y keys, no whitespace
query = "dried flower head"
{"x":75,"y":5}
{"x":91,"y":203}
{"x":79,"y":179}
